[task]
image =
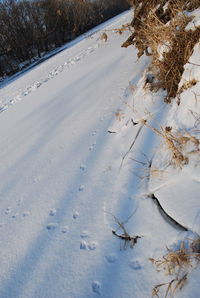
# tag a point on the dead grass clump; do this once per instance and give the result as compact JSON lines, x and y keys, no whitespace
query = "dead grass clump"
{"x":178,"y":283}
{"x":173,"y":261}
{"x":171,"y":67}
{"x":159,"y":31}
{"x":177,"y":263}
{"x":187,"y":85}
{"x":104,"y":36}
{"x":179,"y":143}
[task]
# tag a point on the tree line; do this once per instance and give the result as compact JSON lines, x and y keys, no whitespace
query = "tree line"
{"x":29,"y":29}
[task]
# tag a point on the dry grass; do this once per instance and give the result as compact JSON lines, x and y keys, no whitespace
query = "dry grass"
{"x":159,"y":31}
{"x":104,"y":36}
{"x":176,"y":142}
{"x":177,"y":263}
{"x":187,"y":85}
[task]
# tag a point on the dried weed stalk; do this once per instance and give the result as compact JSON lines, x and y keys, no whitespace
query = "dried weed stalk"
{"x":125,"y":236}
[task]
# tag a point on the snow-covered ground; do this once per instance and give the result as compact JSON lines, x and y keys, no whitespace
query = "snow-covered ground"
{"x":67,"y":173}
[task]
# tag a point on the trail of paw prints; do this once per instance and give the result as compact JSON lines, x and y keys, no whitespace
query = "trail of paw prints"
{"x":8,"y":211}
{"x":86,"y":243}
{"x":51,"y":226}
{"x":53,"y":73}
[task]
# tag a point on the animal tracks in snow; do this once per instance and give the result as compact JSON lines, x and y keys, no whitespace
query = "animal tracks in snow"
{"x":7,"y":102}
{"x":135,"y":264}
{"x":75,"y":215}
{"x":83,"y":167}
{"x":86,"y":243}
{"x":96,"y":287}
{"x":52,"y":212}
{"x":111,"y":258}
{"x":81,"y":188}
{"x":52,"y":226}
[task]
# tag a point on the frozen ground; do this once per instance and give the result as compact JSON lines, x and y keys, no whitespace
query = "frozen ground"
{"x":66,"y":128}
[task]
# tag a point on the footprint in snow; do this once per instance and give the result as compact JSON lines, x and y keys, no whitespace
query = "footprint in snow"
{"x":96,"y":287}
{"x":75,"y":215}
{"x":92,"y":146}
{"x":83,"y":245}
{"x":135,"y":264}
{"x":85,"y":234}
{"x":92,"y":245}
{"x":52,"y":212}
{"x":111,"y":258}
{"x":81,"y":187}
{"x":51,"y":226}
{"x":14,"y":215}
{"x":83,"y":167}
{"x":94,"y":133}
{"x":7,"y":211}
{"x":65,"y":229}
{"x":26,"y":213}
{"x":88,"y":245}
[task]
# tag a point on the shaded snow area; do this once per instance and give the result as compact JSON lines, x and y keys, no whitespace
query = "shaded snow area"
{"x":84,"y":155}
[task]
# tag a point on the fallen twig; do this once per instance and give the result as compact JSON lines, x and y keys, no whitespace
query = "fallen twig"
{"x":126,"y":237}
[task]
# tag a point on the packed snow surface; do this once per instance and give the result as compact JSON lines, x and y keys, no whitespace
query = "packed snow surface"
{"x":67,"y":176}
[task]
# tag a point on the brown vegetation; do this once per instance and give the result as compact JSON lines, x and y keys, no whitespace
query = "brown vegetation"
{"x":159,"y":31}
{"x":177,"y":263}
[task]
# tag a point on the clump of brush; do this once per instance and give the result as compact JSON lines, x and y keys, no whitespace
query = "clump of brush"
{"x":177,"y":264}
{"x":159,"y":31}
